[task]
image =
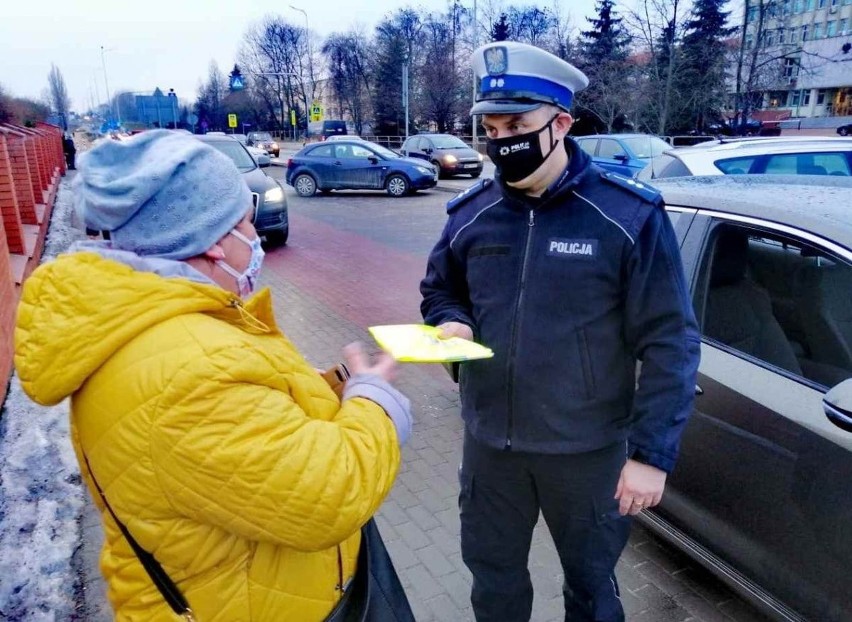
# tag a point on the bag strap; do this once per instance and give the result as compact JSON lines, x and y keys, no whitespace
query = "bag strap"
{"x":171,"y":593}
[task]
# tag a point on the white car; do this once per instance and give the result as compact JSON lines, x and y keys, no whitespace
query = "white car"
{"x":799,"y":155}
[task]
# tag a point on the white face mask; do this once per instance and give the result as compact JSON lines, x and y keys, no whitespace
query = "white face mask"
{"x":247,"y":279}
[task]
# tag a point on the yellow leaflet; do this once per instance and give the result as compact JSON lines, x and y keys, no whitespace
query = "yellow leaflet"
{"x":417,"y":343}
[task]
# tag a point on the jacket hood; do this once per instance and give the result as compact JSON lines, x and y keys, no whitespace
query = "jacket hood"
{"x":80,"y":309}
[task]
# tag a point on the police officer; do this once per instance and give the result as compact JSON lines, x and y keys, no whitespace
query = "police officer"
{"x":571,"y":275}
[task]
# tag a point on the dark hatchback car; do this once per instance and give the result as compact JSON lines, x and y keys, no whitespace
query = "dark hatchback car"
{"x":270,"y":216}
{"x":762,"y":492}
{"x":357,"y":165}
{"x":449,"y":154}
{"x":626,"y":154}
{"x":263,"y":140}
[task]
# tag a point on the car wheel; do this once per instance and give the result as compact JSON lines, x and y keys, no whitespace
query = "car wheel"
{"x":305,"y":185}
{"x":277,"y":237}
{"x":397,"y":185}
{"x":843,"y":131}
{"x":437,"y":165}
{"x":475,"y":175}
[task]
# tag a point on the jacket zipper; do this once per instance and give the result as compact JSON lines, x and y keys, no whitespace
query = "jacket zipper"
{"x":340,"y":585}
{"x":522,"y":284}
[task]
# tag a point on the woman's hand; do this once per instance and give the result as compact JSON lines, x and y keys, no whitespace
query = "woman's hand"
{"x":358,"y":362}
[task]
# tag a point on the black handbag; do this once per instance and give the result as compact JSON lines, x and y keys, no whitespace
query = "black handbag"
{"x":375,"y":593}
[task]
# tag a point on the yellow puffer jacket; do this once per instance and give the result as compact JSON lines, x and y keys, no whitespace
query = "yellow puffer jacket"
{"x":221,"y":449}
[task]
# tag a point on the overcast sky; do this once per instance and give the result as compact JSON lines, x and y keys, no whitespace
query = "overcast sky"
{"x":165,"y":43}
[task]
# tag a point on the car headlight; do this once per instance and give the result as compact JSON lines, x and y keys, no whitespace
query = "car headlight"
{"x":274,"y":145}
{"x":450,"y":159}
{"x":425,"y":171}
{"x":274,"y":195}
{"x":481,"y":159}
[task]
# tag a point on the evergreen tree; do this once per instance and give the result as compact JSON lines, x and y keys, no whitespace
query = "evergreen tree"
{"x":604,"y":60}
{"x":704,"y":54}
{"x":607,"y":40}
{"x":500,"y":30}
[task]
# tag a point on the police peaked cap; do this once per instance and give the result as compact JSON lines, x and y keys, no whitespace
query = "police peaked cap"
{"x":516,"y":77}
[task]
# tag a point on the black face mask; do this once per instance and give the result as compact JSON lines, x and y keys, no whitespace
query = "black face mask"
{"x":518,"y":157}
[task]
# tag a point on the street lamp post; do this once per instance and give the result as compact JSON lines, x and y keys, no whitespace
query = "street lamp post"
{"x":310,"y":55}
{"x":106,"y":84}
{"x":475,"y":44}
{"x":173,"y":97}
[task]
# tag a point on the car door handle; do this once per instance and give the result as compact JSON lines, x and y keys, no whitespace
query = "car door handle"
{"x":838,"y":417}
{"x":699,"y":390}
{"x":338,"y":163}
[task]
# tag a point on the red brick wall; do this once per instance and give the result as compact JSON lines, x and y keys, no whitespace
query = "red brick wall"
{"x":8,"y":302}
{"x":30,"y":160}
{"x":9,"y":202}
{"x":15,"y":143}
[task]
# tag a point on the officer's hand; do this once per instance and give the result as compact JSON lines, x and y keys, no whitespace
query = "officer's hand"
{"x":640,"y":486}
{"x":456,"y":329}
{"x":358,"y":362}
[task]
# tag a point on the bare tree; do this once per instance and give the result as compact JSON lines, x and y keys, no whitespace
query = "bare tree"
{"x":274,"y":55}
{"x":59,"y":101}
{"x":659,"y":25}
{"x":347,"y":58}
{"x":210,"y":95}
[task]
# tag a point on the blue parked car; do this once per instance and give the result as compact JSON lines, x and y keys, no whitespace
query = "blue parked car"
{"x":626,"y":154}
{"x":357,"y":165}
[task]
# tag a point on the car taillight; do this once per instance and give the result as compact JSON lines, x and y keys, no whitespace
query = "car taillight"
{"x":289,"y":162}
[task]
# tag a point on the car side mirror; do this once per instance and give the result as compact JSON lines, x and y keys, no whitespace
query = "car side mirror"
{"x":428,"y":150}
{"x":373,"y":159}
{"x":837,"y":405}
{"x":623,"y":157}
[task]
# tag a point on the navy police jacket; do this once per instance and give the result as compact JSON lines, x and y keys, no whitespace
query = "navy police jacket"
{"x":570,"y":290}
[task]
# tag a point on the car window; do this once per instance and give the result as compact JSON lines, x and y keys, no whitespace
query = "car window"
{"x":589,"y":145}
{"x":410,"y":144}
{"x":448,"y":142}
{"x":779,"y":299}
{"x":236,"y":152}
{"x":736,"y":166}
{"x":808,"y":164}
{"x":361,"y":152}
{"x":610,"y":148}
{"x":833,"y":163}
{"x":664,"y":165}
{"x":325,"y":151}
{"x":646,"y":146}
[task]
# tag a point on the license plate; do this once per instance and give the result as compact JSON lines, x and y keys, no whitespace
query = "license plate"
{"x":471,"y":165}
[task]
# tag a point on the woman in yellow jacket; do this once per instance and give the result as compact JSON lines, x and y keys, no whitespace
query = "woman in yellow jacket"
{"x":222,"y":451}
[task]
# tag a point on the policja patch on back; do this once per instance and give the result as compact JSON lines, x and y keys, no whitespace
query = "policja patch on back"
{"x":468,"y":194}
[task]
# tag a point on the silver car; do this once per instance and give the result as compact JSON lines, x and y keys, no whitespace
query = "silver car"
{"x":800,"y":155}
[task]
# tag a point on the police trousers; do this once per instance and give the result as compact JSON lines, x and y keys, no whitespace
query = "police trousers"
{"x":502,"y":493}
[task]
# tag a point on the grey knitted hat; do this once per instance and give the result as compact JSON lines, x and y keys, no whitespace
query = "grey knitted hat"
{"x":160,"y":194}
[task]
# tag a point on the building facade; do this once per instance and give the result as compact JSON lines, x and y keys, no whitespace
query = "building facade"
{"x":803,"y":51}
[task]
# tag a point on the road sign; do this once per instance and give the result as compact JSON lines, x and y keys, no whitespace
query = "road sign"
{"x":317,"y":112}
{"x":237,"y":83}
{"x":293,"y":118}
{"x":232,"y":120}
{"x":192,"y":118}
